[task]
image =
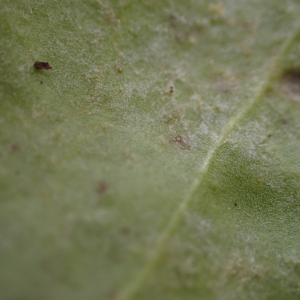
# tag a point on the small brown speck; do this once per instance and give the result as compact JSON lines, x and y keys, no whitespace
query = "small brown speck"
{"x":297,"y":269}
{"x":171,"y":89}
{"x":181,"y":37}
{"x":172,"y":21}
{"x":40,"y":65}
{"x":126,"y":230}
{"x":15,"y":148}
{"x":102,"y":187}
{"x":112,"y":293}
{"x":291,"y":84}
{"x":119,"y":69}
{"x":171,"y":119}
{"x":235,"y":204}
{"x":179,"y":141}
{"x":261,"y":180}
{"x":41,"y":82}
{"x":178,"y":138}
{"x":285,"y":121}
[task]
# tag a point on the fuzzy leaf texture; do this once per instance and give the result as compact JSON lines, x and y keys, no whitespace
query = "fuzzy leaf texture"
{"x":158,"y":158}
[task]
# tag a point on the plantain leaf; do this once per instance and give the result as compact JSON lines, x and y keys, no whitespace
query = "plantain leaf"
{"x":158,"y":158}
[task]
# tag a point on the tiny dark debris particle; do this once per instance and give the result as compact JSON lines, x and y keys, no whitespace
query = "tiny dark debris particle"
{"x":269,"y":135}
{"x":179,"y":141}
{"x":178,"y":138}
{"x":125,"y":229}
{"x":41,"y":82}
{"x":40,"y":65}
{"x":291,"y":83}
{"x":171,"y":89}
{"x":119,"y":69}
{"x":172,"y":21}
{"x":181,"y":37}
{"x":15,"y":148}
{"x":297,"y":269}
{"x":235,"y":204}
{"x":102,"y":187}
{"x":285,"y":121}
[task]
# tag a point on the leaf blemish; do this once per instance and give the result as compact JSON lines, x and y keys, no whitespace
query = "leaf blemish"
{"x":172,"y":20}
{"x":15,"y":148}
{"x":181,"y":142}
{"x":119,"y":69}
{"x":291,"y":83}
{"x":125,"y":230}
{"x":102,"y":187}
{"x":40,"y":65}
{"x":173,"y":118}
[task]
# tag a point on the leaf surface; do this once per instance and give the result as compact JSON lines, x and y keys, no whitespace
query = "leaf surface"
{"x":158,"y":159}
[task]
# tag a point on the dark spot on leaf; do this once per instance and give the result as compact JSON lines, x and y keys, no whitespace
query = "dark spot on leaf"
{"x":181,"y":37}
{"x":291,"y":83}
{"x":119,"y":69}
{"x":112,"y":294}
{"x":269,"y":135}
{"x":40,"y":65}
{"x":172,"y":20}
{"x":126,"y":230}
{"x":285,"y":121}
{"x":113,"y":256}
{"x":177,"y":139}
{"x":181,"y":142}
{"x":235,"y":204}
{"x":247,"y":25}
{"x":297,"y":269}
{"x":171,"y":119}
{"x":112,"y":18}
{"x":41,"y":82}
{"x":15,"y":148}
{"x":102,"y":187}
{"x":269,"y":91}
{"x":106,"y":98}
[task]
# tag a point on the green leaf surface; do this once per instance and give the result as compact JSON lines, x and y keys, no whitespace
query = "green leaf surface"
{"x":158,"y":159}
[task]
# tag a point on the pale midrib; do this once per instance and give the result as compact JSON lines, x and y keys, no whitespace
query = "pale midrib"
{"x":133,"y":288}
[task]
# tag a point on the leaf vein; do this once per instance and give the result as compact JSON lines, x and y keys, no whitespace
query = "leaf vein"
{"x":131,"y":290}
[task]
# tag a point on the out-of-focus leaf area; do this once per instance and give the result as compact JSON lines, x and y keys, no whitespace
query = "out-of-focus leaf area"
{"x":158,"y":159}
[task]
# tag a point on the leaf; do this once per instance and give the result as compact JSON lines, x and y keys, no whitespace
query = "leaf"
{"x":158,"y":159}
